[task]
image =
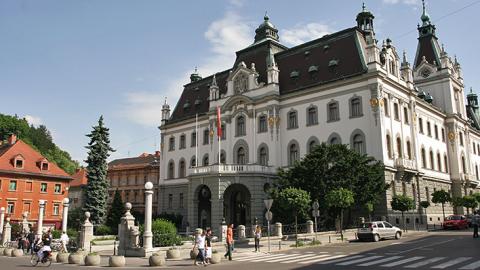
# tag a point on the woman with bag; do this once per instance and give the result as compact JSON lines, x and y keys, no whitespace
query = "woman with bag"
{"x":200,"y":245}
{"x":258,"y":235}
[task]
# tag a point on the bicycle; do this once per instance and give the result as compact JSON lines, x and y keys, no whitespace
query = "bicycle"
{"x":46,"y":260}
{"x":10,"y":244}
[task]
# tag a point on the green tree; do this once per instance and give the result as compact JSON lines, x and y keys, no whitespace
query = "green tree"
{"x":441,"y":196}
{"x":115,"y":213}
{"x":329,"y":167}
{"x":290,"y":201}
{"x":96,"y":194}
{"x":402,"y":203}
{"x":338,"y":200}
{"x":470,"y":202}
{"x":75,"y":218}
{"x":369,"y":208}
{"x":457,"y":201}
{"x":476,"y":196}
{"x":164,"y":233}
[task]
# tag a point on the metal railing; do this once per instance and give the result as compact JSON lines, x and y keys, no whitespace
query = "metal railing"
{"x":233,"y":168}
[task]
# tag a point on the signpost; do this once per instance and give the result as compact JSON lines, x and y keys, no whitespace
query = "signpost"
{"x":268,"y":216}
{"x":315,"y":214}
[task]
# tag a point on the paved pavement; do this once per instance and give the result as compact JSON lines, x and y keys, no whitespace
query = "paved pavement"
{"x":435,"y":250}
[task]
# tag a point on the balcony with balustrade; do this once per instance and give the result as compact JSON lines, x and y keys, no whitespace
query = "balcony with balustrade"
{"x":470,"y":179}
{"x":406,"y":168}
{"x":230,"y":169}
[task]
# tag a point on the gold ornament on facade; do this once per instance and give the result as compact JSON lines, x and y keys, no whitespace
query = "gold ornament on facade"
{"x":271,"y":121}
{"x":373,"y":102}
{"x":451,"y":136}
{"x":211,"y":133}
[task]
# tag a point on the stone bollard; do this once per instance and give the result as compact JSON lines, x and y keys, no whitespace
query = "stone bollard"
{"x":17,"y":253}
{"x":241,"y":232}
{"x":278,"y":229}
{"x":309,"y":226}
{"x":116,"y":261}
{"x":86,"y":233}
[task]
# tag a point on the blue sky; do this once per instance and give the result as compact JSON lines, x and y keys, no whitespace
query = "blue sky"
{"x":65,"y":63}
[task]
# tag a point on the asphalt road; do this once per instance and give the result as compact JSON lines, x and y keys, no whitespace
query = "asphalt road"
{"x":438,"y":250}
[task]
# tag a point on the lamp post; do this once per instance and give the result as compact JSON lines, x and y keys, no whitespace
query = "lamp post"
{"x":315,"y":214}
{"x":268,"y":216}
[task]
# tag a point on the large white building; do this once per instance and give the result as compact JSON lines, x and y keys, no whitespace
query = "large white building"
{"x":278,"y":102}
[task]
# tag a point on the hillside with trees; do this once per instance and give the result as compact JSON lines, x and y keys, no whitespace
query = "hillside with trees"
{"x":39,"y":138}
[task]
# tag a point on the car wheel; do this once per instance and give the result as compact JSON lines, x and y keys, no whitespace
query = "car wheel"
{"x":398,"y":235}
{"x":376,"y":238}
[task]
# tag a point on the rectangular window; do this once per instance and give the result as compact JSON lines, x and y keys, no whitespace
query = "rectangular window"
{"x":312,"y":117}
{"x":12,"y":186}
{"x":181,"y":201}
{"x":443,"y":135}
{"x":405,"y":115}
{"x":206,"y":134}
{"x":332,"y":113}
{"x":262,"y":124}
{"x":386,"y":108}
{"x":28,"y":186}
{"x":19,"y":163}
{"x":396,"y":114}
{"x":27,"y":207}
{"x":194,"y":139}
{"x":56,"y":209}
{"x":182,"y":142}
{"x":420,"y":125}
{"x":435,"y":129}
{"x":43,"y":187}
{"x":224,"y":132}
{"x":58,"y":188}
{"x":429,"y":129}
{"x":356,"y":107}
{"x":171,"y":144}
{"x":10,"y":208}
{"x":170,"y":201}
{"x":292,"y":120}
{"x":460,"y":137}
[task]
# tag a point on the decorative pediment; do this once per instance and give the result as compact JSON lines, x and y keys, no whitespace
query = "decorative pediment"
{"x":242,"y":79}
{"x":425,"y":69}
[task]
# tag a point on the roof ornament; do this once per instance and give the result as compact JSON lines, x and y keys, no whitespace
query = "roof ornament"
{"x":425,"y":18}
{"x":363,"y":7}
{"x":404,"y":60}
{"x":214,"y":80}
{"x":165,"y":103}
{"x":266,"y":18}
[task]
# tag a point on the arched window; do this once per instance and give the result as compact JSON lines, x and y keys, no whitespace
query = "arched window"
{"x":357,"y":142}
{"x":193,"y":162}
{"x":424,"y":158}
{"x":262,"y":124}
{"x":312,"y":143}
{"x":399,"y":147}
{"x":240,"y":131}
{"x":432,"y":160}
{"x":333,"y":113}
{"x":334,"y":139}
{"x":181,"y":169}
{"x":463,"y":165}
{"x":205,"y":160}
{"x":263,"y":156}
{"x":171,"y":170}
{"x":389,"y":147}
{"x":312,"y":116}
{"x":222,"y":158}
{"x":409,"y":150}
{"x":292,"y":120}
{"x":356,"y":107}
{"x":385,"y":103}
{"x":445,"y":161}
{"x":241,"y":155}
{"x":292,"y":154}
{"x":439,"y":162}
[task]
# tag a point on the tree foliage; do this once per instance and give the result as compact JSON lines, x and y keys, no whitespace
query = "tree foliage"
{"x":425,"y":204}
{"x":402,"y":203}
{"x":76,"y":217}
{"x":164,"y":233}
{"x":96,"y":193}
{"x":469,"y":202}
{"x":329,"y":167}
{"x":441,"y":196}
{"x":289,"y":202}
{"x":39,"y":138}
{"x":339,"y":198}
{"x":115,"y":213}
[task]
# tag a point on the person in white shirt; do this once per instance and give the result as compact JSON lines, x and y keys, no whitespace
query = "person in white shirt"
{"x":64,"y":239}
{"x":200,"y":244}
{"x":475,"y":223}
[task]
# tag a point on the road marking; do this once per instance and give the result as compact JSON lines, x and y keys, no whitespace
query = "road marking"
{"x":474,"y":265}
{"x":359,"y":260}
{"x":381,"y":261}
{"x":402,"y":261}
{"x":309,"y":258}
{"x":270,"y":257}
{"x":323,"y":259}
{"x":451,"y":262}
{"x":289,"y":258}
{"x":431,"y":245}
{"x":425,"y":262}
{"x":266,"y":257}
{"x":341,"y":260}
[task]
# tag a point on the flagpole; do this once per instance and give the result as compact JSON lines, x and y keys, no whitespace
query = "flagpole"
{"x":196,"y":140}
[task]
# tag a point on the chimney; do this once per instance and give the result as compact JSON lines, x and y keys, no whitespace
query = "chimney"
{"x":12,"y":139}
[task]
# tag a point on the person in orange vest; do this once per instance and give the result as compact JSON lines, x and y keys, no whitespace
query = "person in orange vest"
{"x":229,"y":242}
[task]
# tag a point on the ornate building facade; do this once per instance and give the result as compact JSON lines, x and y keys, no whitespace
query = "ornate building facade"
{"x":277,"y":103}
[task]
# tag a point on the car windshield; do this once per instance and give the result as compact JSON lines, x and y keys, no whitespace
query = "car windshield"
{"x":454,"y":218}
{"x":365,"y":225}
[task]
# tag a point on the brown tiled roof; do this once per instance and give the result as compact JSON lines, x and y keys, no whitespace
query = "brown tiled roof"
{"x":333,"y":57}
{"x":141,"y":161}
{"x":79,"y":178}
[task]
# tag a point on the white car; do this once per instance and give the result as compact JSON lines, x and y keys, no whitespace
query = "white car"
{"x":377,"y":230}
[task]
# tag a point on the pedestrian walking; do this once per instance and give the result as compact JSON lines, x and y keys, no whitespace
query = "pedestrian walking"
{"x":258,"y":235}
{"x":31,"y":242}
{"x":229,"y":242}
{"x":475,"y":223}
{"x":64,"y":239}
{"x":208,"y":246}
{"x":200,"y":245}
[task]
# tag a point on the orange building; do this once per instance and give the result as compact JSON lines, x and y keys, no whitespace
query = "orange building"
{"x":27,"y":177}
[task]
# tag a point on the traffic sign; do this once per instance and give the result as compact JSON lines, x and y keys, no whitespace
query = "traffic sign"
{"x":315,"y":213}
{"x":269,"y":215}
{"x":268,"y":203}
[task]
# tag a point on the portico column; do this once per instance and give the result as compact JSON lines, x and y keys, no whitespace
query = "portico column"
{"x":2,"y":217}
{"x":147,"y":234}
{"x":65,"y":214}
{"x":41,"y":204}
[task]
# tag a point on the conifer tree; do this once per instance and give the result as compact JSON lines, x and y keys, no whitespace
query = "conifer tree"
{"x":116,"y":212}
{"x":96,"y":193}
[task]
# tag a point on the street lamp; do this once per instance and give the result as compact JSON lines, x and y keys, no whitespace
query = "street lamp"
{"x":315,"y":214}
{"x":268,"y":215}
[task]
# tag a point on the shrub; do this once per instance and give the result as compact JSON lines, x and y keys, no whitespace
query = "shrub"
{"x":72,"y":233}
{"x":103,"y":230}
{"x":164,"y":233}
{"x":56,"y":234}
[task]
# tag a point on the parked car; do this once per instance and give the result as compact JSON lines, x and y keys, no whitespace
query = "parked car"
{"x":377,"y":230}
{"x":455,"y":222}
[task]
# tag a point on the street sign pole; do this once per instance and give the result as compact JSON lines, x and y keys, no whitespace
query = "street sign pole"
{"x":268,"y":216}
{"x":315,"y":213}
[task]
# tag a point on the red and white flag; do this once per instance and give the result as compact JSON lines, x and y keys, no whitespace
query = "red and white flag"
{"x":219,"y":123}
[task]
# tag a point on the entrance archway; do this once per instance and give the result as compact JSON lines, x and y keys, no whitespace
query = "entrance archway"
{"x":204,"y":213}
{"x":237,"y":205}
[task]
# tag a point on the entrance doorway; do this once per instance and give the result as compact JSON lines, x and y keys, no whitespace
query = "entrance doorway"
{"x":237,"y":205}
{"x":204,"y":207}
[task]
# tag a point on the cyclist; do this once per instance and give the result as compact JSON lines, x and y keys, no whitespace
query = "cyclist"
{"x":46,"y":240}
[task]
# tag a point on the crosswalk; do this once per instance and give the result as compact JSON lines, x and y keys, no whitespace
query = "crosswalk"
{"x":362,"y":260}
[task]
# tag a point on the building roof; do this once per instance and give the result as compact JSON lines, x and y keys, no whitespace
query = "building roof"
{"x":32,"y":161}
{"x":333,"y":57}
{"x":79,"y":178}
{"x":144,"y":160}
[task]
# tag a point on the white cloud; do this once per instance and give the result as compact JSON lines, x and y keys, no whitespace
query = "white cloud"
{"x":226,"y":36}
{"x":302,"y":33}
{"x":407,"y":2}
{"x":33,"y":120}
